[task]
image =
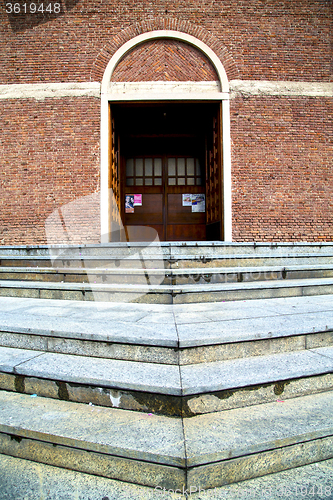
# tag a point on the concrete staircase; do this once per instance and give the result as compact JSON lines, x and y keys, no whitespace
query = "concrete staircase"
{"x":169,"y":390}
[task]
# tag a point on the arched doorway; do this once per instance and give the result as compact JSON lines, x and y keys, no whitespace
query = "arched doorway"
{"x":167,"y":146}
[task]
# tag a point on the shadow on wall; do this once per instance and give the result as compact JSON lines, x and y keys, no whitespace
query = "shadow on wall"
{"x":68,"y":231}
{"x":26,"y":15}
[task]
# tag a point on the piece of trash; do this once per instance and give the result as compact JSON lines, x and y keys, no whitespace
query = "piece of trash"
{"x":150,"y":414}
{"x":90,"y":404}
{"x":33,"y":396}
{"x":279,"y":401}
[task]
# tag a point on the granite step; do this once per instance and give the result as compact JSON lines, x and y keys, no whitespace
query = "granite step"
{"x":162,"y":261}
{"x":166,"y":294}
{"x":167,"y":389}
{"x":221,"y":448}
{"x":167,"y":334}
{"x":22,"y":477}
{"x":174,"y":276}
{"x":170,"y":249}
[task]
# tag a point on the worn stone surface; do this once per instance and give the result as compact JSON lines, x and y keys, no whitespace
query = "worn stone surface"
{"x":311,"y":482}
{"x":229,"y":374}
{"x":116,"y":432}
{"x":243,"y":431}
{"x":149,"y":377}
{"x":222,"y":352}
{"x":96,"y":395}
{"x":9,"y":358}
{"x":27,"y":480}
{"x":92,"y":462}
{"x":167,"y":294}
{"x":92,"y":321}
{"x":258,"y":394}
{"x":251,"y":445}
{"x":260,"y":464}
{"x":215,"y":332}
{"x":115,"y":326}
{"x":168,"y":379}
{"x":112,"y":350}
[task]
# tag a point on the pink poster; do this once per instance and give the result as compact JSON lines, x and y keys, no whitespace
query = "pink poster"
{"x":137,"y":200}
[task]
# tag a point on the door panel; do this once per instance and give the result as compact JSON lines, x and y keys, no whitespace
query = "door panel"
{"x":151,"y":211}
{"x":144,"y":233}
{"x":178,"y":214}
{"x":186,"y":232}
{"x":162,"y":181}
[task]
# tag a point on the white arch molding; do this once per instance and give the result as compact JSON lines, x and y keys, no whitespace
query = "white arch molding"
{"x":109,"y":95}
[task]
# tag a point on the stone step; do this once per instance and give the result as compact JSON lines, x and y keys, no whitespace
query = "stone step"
{"x":167,"y":334}
{"x":161,"y":262}
{"x":246,"y":260}
{"x":166,"y":294}
{"x":167,"y":389}
{"x":170,"y":249}
{"x":221,"y":448}
{"x":21,"y":478}
{"x":175,"y":276}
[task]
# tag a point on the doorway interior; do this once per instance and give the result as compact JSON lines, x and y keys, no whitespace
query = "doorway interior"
{"x":168,"y":168}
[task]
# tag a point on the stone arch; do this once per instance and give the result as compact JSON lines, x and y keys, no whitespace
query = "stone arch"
{"x":165,"y":34}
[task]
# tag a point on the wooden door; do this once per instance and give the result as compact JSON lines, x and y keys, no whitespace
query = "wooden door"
{"x":145,"y":179}
{"x":184,"y":199}
{"x":167,"y":194}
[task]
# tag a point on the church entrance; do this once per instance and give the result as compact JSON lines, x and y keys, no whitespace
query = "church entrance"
{"x":167,"y":169}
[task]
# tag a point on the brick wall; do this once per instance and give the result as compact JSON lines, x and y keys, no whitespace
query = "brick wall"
{"x":49,"y":157}
{"x":281,"y":149}
{"x":271,"y":39}
{"x":282,"y":169}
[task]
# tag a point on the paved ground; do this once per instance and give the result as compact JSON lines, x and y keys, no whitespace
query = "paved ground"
{"x":25,"y":480}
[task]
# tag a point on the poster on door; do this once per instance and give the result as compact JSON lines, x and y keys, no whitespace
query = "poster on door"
{"x":131,"y":201}
{"x":187,"y":200}
{"x":137,"y":200}
{"x":196,"y":201}
{"x":129,"y":204}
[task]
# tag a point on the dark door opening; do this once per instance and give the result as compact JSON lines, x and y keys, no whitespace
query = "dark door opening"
{"x":169,"y":169}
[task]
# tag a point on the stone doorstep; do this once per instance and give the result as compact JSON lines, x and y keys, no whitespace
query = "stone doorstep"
{"x":166,"y":276}
{"x":166,"y":294}
{"x":163,"y":404}
{"x":249,"y":260}
{"x":170,"y":248}
{"x":166,"y":389}
{"x":221,"y":448}
{"x":62,"y":344}
{"x":198,"y":260}
{"x":181,"y":338}
{"x":176,"y":289}
{"x":21,"y":477}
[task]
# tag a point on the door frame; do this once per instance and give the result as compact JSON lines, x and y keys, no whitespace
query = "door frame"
{"x":162,"y":92}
